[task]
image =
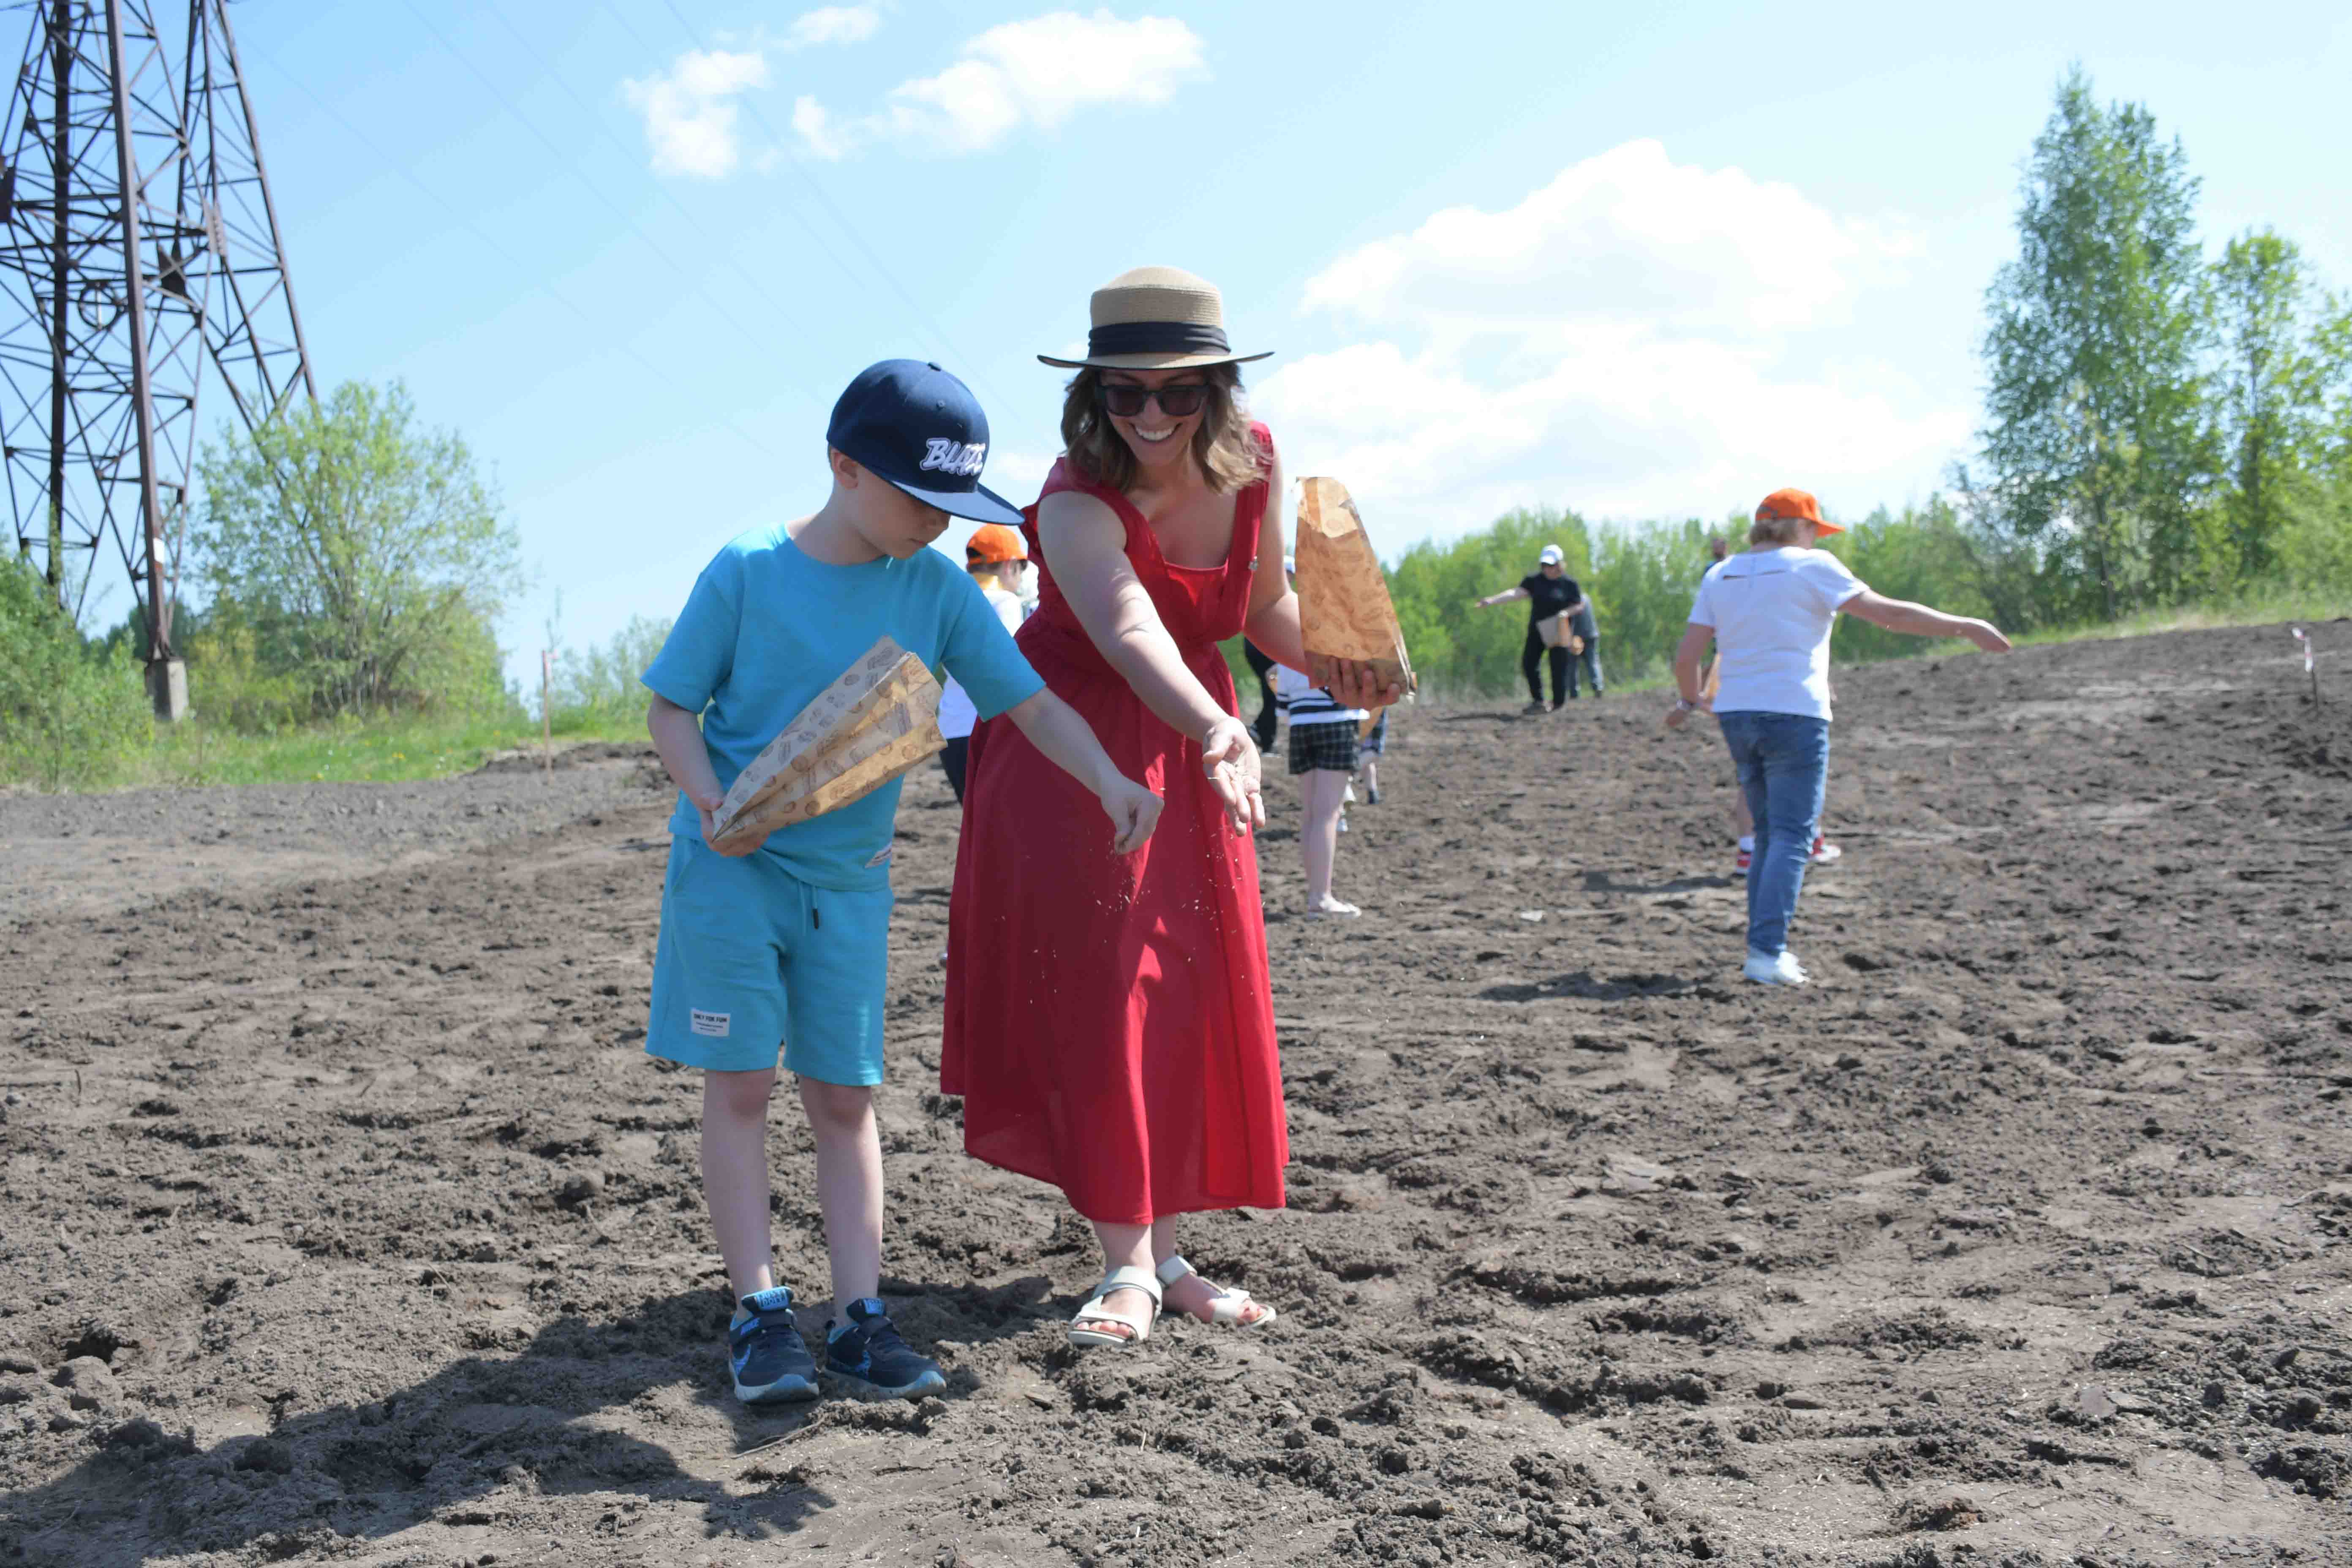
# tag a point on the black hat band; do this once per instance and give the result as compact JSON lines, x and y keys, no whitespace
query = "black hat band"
{"x":1156,"y":338}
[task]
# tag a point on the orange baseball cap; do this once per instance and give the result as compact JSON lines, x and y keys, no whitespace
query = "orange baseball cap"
{"x":1795,"y":503}
{"x":994,"y":544}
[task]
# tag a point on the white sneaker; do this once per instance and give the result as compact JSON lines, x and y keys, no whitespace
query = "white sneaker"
{"x":1767,"y":969}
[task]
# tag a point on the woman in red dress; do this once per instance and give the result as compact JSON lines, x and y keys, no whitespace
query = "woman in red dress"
{"x":1109,"y":1022}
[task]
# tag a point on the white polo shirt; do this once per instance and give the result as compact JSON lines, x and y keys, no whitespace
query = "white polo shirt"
{"x":1772,"y":612}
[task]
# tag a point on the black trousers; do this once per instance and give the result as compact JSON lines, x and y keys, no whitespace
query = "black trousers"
{"x":1262,"y":729}
{"x":951,"y":762}
{"x":1532,"y":656}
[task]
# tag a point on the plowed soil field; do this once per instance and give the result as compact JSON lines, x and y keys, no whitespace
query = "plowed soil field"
{"x":342,"y":1219}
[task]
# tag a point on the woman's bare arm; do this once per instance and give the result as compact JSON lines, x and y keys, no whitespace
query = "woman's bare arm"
{"x":1919,"y":621}
{"x":1688,"y":655}
{"x":1083,"y":540}
{"x":1504,"y":597}
{"x":1272,"y":622}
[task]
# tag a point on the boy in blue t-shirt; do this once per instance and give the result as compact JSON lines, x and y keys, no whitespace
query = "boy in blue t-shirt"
{"x":787,"y":940}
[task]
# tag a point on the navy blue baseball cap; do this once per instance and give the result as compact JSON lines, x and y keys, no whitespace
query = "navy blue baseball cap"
{"x":919,"y":427}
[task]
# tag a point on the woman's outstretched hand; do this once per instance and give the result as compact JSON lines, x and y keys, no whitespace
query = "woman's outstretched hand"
{"x":1353,"y":684}
{"x":1230,"y":759}
{"x":1986,"y":636}
{"x":1134,"y":812}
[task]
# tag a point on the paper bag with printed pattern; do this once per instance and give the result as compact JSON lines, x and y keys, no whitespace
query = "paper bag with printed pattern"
{"x":879,"y":719}
{"x":1343,"y":597}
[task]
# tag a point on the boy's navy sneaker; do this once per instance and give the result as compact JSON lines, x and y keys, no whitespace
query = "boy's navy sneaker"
{"x":764,"y":1349}
{"x":867,"y":1355}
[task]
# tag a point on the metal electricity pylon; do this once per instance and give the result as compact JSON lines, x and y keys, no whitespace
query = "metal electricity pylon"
{"x":138,"y":242}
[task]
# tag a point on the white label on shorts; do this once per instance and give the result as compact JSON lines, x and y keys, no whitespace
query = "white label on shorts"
{"x":882,"y":856}
{"x":710,"y":1023}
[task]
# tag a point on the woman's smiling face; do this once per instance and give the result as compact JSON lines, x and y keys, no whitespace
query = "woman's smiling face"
{"x":1156,"y":438}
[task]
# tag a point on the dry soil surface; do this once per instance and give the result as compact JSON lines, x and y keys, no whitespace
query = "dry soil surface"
{"x":342,"y":1219}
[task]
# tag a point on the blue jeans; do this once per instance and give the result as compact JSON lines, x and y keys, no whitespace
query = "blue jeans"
{"x":1784,"y":766}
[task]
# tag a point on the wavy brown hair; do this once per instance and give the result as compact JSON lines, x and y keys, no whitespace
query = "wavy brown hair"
{"x":1775,"y":529}
{"x":1229,"y":455}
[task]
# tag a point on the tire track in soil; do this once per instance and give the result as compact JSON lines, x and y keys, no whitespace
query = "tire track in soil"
{"x":343,"y":1218}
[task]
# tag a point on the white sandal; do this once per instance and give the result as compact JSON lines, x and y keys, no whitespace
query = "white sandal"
{"x":1124,"y":1278}
{"x":1226,"y":1307}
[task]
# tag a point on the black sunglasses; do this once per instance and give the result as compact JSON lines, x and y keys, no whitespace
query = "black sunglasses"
{"x":1126,"y":400}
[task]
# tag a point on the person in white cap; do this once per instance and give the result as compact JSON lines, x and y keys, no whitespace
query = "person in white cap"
{"x":1549,"y":591}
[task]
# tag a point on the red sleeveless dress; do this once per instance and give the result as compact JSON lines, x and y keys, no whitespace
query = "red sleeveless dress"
{"x":1109,"y":1022}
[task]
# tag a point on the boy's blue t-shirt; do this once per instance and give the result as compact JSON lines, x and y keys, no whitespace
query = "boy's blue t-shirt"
{"x":767,"y":628}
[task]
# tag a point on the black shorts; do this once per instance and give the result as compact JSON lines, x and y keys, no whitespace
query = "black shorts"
{"x":1329,"y":747}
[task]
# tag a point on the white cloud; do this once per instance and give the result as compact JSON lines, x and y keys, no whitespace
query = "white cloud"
{"x":1636,"y":338}
{"x":1036,"y":73}
{"x":833,"y":25}
{"x":689,"y":110}
{"x":1629,"y":231}
{"x":816,"y":129}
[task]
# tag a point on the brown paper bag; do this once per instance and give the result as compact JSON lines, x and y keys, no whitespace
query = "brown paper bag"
{"x":1343,"y":599}
{"x":877,"y":720}
{"x":1553,"y":629}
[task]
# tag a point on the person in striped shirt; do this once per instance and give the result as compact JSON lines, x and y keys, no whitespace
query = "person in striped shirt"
{"x":1322,"y":756}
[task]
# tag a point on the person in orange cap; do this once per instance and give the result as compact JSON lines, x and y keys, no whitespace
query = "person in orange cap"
{"x":1769,"y":611}
{"x":1743,"y":827}
{"x":997,"y":558}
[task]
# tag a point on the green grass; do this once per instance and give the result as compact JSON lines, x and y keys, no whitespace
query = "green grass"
{"x":383,"y":751}
{"x":391,"y":749}
{"x":2304,"y":608}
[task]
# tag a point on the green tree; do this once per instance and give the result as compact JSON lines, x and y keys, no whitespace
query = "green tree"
{"x":599,"y":684}
{"x":2269,"y":403}
{"x":72,"y":714}
{"x":2094,"y":439}
{"x":1922,"y":554}
{"x":362,"y":554}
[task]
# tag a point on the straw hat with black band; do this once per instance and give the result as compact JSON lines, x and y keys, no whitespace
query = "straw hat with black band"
{"x":1156,"y":318}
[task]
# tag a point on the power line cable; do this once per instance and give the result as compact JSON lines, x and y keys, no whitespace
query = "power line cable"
{"x":863,"y":282}
{"x":784,"y":147}
{"x":618,"y":211}
{"x":601,"y":324}
{"x":764,"y":291}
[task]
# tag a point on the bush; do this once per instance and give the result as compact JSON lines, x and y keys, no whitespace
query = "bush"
{"x":598,"y":689}
{"x":73,"y":715}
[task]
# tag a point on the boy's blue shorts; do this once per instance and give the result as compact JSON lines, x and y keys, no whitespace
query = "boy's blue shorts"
{"x":751,"y":956}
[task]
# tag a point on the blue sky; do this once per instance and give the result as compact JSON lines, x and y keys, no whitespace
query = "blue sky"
{"x":1639,"y":262}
